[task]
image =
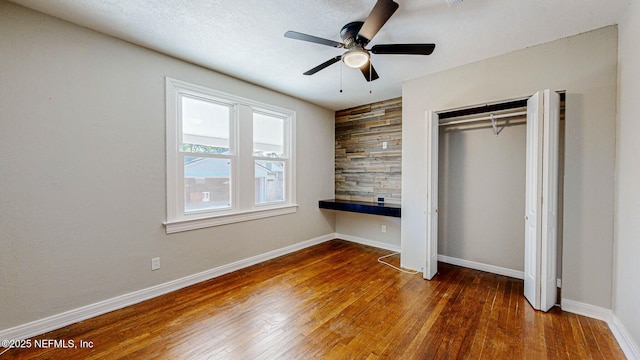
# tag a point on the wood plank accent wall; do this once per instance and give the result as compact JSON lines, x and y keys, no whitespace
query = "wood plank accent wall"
{"x":365,"y":171}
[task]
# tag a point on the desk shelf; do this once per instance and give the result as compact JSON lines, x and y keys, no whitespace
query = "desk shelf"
{"x":362,"y":207}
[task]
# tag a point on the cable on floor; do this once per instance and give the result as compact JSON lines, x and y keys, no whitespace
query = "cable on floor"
{"x":395,"y":267}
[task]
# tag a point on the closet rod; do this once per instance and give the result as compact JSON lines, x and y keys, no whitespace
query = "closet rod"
{"x":483,"y":118}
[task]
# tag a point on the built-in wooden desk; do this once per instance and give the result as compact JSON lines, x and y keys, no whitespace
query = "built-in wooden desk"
{"x":362,"y":207}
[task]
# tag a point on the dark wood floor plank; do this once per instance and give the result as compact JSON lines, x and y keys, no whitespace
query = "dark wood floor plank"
{"x":461,"y":345}
{"x":334,"y":301}
{"x":577,"y":332}
{"x":483,"y":313}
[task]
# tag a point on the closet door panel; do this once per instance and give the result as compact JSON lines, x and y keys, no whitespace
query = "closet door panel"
{"x":550,"y":200}
{"x":541,"y":203}
{"x":533,"y":192}
{"x":431,"y":266}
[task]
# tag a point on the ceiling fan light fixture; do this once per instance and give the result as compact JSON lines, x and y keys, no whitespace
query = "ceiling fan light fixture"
{"x":356,"y":57}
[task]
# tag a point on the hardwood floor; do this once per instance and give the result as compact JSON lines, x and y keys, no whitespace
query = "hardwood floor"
{"x":334,"y":301}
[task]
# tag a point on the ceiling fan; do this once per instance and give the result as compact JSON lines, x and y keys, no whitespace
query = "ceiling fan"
{"x":357,"y":35}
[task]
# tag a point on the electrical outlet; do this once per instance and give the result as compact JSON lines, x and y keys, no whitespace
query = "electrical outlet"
{"x":155,"y":263}
{"x":383,"y":228}
{"x":384,"y":145}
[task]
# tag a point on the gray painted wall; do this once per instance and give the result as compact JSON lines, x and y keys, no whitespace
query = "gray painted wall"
{"x":627,"y":225}
{"x":369,"y":227}
{"x":585,"y":66}
{"x":475,"y":166}
{"x":82,"y":170}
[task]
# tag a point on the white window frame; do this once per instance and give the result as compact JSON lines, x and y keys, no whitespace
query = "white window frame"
{"x":243,"y":206}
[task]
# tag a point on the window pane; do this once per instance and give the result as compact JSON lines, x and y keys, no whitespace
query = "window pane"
{"x":269,"y":182}
{"x":205,"y":126}
{"x":207,"y":183}
{"x":268,"y":135}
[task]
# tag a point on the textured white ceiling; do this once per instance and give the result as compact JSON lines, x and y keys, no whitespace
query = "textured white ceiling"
{"x":244,"y":38}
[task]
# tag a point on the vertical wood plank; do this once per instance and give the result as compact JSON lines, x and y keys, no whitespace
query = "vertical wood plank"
{"x":364,"y":171}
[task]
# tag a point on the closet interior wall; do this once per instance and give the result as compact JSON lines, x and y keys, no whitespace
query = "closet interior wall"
{"x":482,"y":190}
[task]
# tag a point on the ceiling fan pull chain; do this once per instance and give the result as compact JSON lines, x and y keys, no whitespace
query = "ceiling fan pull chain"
{"x":340,"y":77}
{"x":370,"y":76}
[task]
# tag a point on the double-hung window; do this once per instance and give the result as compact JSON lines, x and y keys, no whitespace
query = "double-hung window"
{"x":229,"y":159}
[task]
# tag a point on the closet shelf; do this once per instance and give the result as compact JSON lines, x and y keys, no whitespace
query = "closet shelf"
{"x":362,"y":207}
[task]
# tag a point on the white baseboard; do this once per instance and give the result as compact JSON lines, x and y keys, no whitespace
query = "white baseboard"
{"x":482,"y":267}
{"x":73,"y":316}
{"x":488,"y":268}
{"x":620,"y":332}
{"x":625,"y":340}
{"x":587,"y":310}
{"x":377,"y":244}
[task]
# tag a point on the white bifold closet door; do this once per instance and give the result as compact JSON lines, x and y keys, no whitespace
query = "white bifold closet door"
{"x":541,"y":204}
{"x":431,"y":266}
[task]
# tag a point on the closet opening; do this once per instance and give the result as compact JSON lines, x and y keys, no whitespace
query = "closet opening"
{"x":481,"y":191}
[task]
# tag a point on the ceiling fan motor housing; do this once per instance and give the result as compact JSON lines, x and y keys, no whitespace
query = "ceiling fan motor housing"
{"x":349,"y":35}
{"x":355,"y":56}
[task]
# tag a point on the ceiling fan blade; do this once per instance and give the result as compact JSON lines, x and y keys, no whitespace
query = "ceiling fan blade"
{"x":365,"y":71}
{"x":404,"y":49}
{"x":378,"y":16}
{"x":323,"y":65}
{"x":310,"y":38}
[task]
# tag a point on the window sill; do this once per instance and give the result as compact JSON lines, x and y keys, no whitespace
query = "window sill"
{"x":217,"y":220}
